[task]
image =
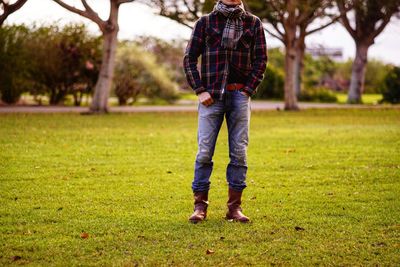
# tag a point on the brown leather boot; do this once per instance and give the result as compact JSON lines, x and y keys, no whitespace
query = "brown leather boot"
{"x":200,"y":207}
{"x":234,"y":209}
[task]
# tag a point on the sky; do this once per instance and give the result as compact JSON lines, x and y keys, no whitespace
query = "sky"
{"x":137,"y":19}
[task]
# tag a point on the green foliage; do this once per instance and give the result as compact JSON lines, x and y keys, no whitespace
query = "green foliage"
{"x":208,"y":6}
{"x":316,"y":69}
{"x":272,"y":84}
{"x":169,"y":55}
{"x":48,"y":60}
{"x":391,"y":92}
{"x":375,"y":76}
{"x":65,"y":61}
{"x":14,"y":64}
{"x":276,"y":58}
{"x":318,"y":94}
{"x":137,"y":72}
{"x":125,"y":180}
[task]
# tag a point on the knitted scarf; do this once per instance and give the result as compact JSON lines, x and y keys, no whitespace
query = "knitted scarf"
{"x":234,"y":24}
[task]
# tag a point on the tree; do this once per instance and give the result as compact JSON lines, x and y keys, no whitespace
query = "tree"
{"x":169,"y":54}
{"x":9,"y":8}
{"x":183,"y":11}
{"x":291,"y":20}
{"x":138,"y":72}
{"x":109,"y":29}
{"x":14,"y":64}
{"x":62,"y":61}
{"x":391,"y":92}
{"x":370,"y":19}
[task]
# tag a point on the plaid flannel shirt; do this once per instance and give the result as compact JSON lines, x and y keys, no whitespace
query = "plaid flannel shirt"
{"x":249,"y":57}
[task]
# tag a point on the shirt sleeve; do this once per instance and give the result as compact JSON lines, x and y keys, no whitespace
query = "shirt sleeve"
{"x":259,"y":60}
{"x":192,"y":53}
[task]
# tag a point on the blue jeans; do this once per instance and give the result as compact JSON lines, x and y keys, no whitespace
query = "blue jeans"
{"x":235,"y":106}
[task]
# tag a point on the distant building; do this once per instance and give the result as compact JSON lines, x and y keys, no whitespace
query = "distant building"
{"x":333,"y":53}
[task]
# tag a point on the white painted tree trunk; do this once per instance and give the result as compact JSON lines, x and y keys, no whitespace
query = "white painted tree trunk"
{"x":290,"y":94}
{"x":298,"y":70}
{"x":358,"y":74}
{"x":110,"y":29}
{"x":103,"y":86}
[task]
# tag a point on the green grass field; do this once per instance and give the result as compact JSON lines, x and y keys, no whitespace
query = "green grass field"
{"x":323,"y":189}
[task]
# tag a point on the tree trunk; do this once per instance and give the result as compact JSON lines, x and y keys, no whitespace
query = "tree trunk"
{"x":52,"y":100}
{"x":102,"y":89}
{"x":290,"y":94}
{"x":358,"y":74}
{"x":110,"y":40}
{"x":78,"y":96}
{"x":298,"y":68}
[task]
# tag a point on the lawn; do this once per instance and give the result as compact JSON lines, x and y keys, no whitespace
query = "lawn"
{"x":323,"y":189}
{"x":371,"y":99}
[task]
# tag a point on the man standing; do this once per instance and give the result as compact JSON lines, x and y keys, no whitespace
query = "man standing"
{"x":233,"y":52}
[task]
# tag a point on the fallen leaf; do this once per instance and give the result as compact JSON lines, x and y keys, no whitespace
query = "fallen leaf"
{"x":84,"y":235}
{"x":169,"y":172}
{"x":379,"y":244}
{"x":209,"y":251}
{"x":298,"y":228}
{"x":222,"y":238}
{"x":60,"y":208}
{"x":15,"y":258}
{"x":290,"y":150}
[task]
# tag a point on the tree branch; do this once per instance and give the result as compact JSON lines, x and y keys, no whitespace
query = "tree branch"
{"x":87,"y":13}
{"x":381,"y":27}
{"x":333,"y":21}
{"x":9,"y":9}
{"x":87,"y":7}
{"x":120,"y":2}
{"x":280,"y":38}
{"x":344,"y":19}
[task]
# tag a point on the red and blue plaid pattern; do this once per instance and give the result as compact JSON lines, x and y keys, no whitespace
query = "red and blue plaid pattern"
{"x":249,"y":58}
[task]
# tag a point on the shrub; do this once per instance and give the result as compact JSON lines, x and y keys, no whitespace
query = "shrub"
{"x":169,"y":54}
{"x":137,"y":72}
{"x":391,"y":92}
{"x":14,"y":65}
{"x":65,"y":61}
{"x":318,"y":94}
{"x":272,"y":84}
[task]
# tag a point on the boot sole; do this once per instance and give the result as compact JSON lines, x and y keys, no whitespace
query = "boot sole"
{"x":236,"y":220}
{"x":197,"y":221}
